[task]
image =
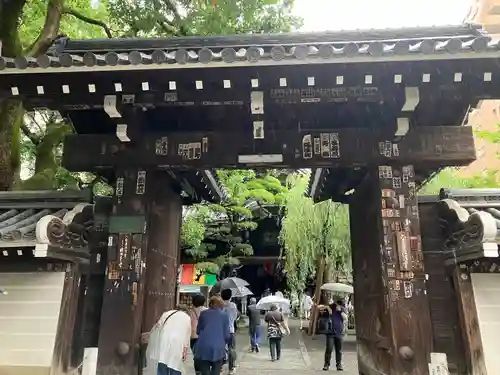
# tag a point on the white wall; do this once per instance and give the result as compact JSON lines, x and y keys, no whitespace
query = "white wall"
{"x":29,"y":315}
{"x":486,"y":288}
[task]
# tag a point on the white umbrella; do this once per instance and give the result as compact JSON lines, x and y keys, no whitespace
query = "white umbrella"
{"x":337,"y":288}
{"x":232,"y":283}
{"x":242,"y":291}
{"x":266,"y":302}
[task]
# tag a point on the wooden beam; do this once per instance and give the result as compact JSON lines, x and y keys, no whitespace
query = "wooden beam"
{"x":437,"y":146}
{"x":469,"y":322}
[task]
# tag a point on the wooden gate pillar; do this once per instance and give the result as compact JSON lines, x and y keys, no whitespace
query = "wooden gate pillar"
{"x":391,"y":309}
{"x":139,"y":203}
{"x":162,"y":260}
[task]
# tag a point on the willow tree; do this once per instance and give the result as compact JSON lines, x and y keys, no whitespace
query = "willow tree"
{"x":315,"y":237}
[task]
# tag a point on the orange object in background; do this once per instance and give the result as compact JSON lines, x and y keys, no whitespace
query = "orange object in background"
{"x":190,"y":275}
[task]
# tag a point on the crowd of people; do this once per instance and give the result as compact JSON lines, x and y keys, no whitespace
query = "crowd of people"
{"x":210,"y":334}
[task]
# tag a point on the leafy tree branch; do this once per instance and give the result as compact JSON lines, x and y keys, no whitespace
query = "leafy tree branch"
{"x":89,"y":20}
{"x":50,"y":29}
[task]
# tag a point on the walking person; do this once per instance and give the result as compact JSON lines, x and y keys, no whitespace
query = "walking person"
{"x":307,"y":304}
{"x":232,"y":312}
{"x":337,"y":319}
{"x":198,"y":301}
{"x":254,"y":325}
{"x":276,"y":327}
{"x":168,"y":343}
{"x":213,"y":335}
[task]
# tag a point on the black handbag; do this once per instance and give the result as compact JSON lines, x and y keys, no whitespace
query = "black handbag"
{"x":325,"y":325}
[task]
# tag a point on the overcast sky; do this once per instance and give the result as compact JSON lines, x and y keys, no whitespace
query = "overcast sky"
{"x":366,"y":14}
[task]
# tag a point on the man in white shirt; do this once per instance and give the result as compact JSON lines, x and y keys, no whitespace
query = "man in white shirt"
{"x":168,"y":343}
{"x":307,"y":304}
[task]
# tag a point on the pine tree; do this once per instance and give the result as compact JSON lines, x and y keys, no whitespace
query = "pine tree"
{"x":231,"y":221}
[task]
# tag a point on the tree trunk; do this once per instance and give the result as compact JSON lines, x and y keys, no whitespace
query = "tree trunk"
{"x":10,"y":13}
{"x":11,"y":111}
{"x":317,"y":294}
{"x":329,"y":274}
{"x":46,"y":164}
{"x":46,"y":149}
{"x":11,"y":115}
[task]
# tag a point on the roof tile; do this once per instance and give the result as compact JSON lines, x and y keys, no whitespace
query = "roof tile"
{"x":253,"y":49}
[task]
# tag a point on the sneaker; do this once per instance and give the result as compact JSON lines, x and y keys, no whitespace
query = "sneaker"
{"x":340,"y":368}
{"x":257,"y":349}
{"x":232,"y":372}
{"x":326,"y":368}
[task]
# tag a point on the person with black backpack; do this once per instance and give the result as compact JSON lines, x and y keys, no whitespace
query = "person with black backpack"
{"x":334,"y":330}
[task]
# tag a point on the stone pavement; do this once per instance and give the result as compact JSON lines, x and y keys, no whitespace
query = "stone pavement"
{"x":300,"y":354}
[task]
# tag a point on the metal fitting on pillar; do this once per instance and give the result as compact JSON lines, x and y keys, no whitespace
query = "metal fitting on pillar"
{"x":123,"y":348}
{"x":406,"y":353}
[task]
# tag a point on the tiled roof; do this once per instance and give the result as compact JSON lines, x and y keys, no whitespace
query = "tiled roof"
{"x":471,"y":219}
{"x":465,"y":41}
{"x":20,"y":225}
{"x":20,"y":212}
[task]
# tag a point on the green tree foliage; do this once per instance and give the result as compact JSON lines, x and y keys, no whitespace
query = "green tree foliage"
{"x":229,"y":222}
{"x":450,"y":178}
{"x":311,"y":233}
{"x":41,"y":154}
{"x":80,"y":19}
{"x":28,"y":27}
{"x":202,"y":17}
{"x":493,"y":137}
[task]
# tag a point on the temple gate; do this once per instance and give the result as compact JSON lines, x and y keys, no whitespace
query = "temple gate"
{"x":375,"y":113}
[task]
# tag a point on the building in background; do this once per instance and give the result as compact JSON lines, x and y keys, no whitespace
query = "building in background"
{"x":487,"y":114}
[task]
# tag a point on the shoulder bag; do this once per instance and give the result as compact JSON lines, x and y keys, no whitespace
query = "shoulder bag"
{"x":282,"y":330}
